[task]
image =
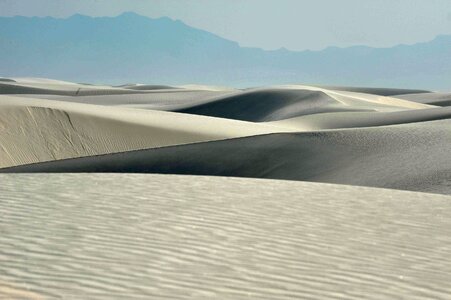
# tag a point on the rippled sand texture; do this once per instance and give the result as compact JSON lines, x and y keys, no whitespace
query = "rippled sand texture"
{"x":122,"y":236}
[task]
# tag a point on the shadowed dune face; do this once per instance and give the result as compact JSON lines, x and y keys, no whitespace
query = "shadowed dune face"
{"x":269,"y":105}
{"x":438,"y":99}
{"x":151,"y":236}
{"x":6,"y":80}
{"x":409,"y":157}
{"x":290,"y":132}
{"x":284,"y":102}
{"x":50,"y":130}
{"x":341,"y":120}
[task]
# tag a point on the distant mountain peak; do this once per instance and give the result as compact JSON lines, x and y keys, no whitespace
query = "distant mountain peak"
{"x":133,"y":47}
{"x":79,"y":16}
{"x":130,"y":14}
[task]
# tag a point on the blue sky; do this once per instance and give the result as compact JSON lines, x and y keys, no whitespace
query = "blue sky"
{"x":272,"y":24}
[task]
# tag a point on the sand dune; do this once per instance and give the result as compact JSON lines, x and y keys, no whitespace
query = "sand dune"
{"x":268,"y":105}
{"x":255,"y":104}
{"x":146,"y":87}
{"x":438,"y":99}
{"x":36,"y":130}
{"x":364,"y":119}
{"x":376,"y":91}
{"x":43,"y":86}
{"x":282,"y":102}
{"x":59,"y":89}
{"x":409,"y":157}
{"x":107,"y":236}
{"x":103,"y":236}
{"x":156,"y":100}
{"x":291,"y":132}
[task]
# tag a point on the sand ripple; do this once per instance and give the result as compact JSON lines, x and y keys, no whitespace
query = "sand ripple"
{"x":93,"y":236}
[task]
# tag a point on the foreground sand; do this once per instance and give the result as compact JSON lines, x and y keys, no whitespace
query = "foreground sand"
{"x":104,"y":236}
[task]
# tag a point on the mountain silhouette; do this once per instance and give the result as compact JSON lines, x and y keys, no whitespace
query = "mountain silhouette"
{"x":134,"y":48}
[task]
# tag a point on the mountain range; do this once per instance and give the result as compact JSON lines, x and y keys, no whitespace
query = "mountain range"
{"x":135,"y":48}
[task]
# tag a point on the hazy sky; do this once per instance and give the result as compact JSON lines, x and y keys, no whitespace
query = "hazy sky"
{"x":271,"y":24}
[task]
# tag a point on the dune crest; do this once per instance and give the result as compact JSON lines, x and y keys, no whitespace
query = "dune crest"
{"x":36,"y":130}
{"x":293,"y":132}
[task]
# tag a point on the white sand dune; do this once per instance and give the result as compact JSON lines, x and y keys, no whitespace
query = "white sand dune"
{"x":46,"y":126}
{"x":438,"y":99}
{"x":407,"y":156}
{"x":256,"y":105}
{"x":351,"y":119}
{"x":168,"y":100}
{"x":201,"y":87}
{"x":376,"y":91}
{"x":36,"y":130}
{"x":65,"y":88}
{"x":104,"y":236}
{"x":146,"y":236}
{"x":293,"y":132}
{"x":362,"y":99}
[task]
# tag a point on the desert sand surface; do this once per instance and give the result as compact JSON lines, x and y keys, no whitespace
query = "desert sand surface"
{"x":34,"y":130}
{"x":288,"y":192}
{"x":437,"y":99}
{"x":386,"y":138}
{"x":104,"y":236}
{"x":409,"y":157}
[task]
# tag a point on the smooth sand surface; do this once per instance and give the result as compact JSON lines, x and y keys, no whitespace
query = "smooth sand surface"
{"x":171,"y":99}
{"x":128,"y":236}
{"x":340,"y":120}
{"x":376,"y":91}
{"x":438,"y":99}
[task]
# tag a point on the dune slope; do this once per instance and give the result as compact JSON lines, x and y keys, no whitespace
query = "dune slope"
{"x":295,"y":132}
{"x":36,"y":130}
{"x":409,"y":157}
{"x":283,"y":102}
{"x":438,"y":99}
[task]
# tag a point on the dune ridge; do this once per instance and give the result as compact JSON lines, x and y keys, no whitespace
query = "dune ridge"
{"x":387,"y":156}
{"x":42,"y":130}
{"x":292,"y":132}
{"x":437,"y":99}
